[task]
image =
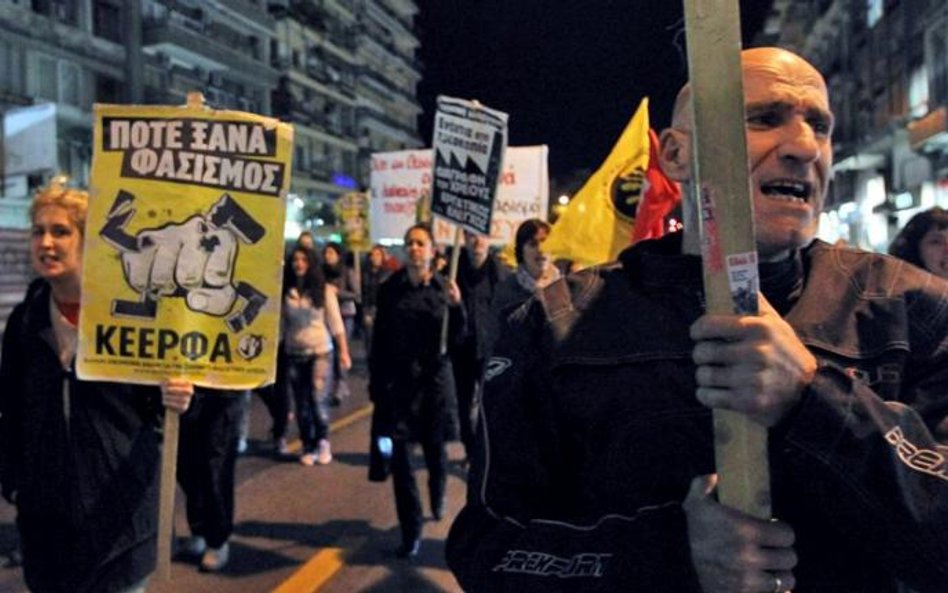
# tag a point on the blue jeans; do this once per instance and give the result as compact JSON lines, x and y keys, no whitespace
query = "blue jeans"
{"x":307,"y":380}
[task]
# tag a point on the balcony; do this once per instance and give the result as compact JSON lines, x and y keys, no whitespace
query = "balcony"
{"x":258,"y":11}
{"x":187,"y":40}
{"x":389,"y":124}
{"x":311,"y":115}
{"x":383,"y":84}
{"x":160,"y":96}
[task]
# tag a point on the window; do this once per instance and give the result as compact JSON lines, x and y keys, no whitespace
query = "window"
{"x":918,"y":92}
{"x":69,"y":87}
{"x":107,"y":20}
{"x":299,"y":158}
{"x":61,"y":10}
{"x":108,"y":89}
{"x":10,"y":68}
{"x":56,"y":80}
{"x":937,"y":59}
{"x":44,"y":78}
{"x":874,"y":11}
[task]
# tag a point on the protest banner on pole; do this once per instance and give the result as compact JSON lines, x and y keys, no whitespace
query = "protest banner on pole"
{"x":401,"y":181}
{"x":468,"y":142}
{"x":182,"y":257}
{"x":184,"y":246}
{"x":352,"y":210}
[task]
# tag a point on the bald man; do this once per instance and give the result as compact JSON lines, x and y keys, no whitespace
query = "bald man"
{"x":595,"y":464}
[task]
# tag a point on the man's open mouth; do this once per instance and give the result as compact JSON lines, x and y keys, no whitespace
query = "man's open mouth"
{"x":787,"y":189}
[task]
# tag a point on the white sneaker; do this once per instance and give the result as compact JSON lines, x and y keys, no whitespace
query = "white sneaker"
{"x":308,"y":459}
{"x":215,"y":559}
{"x":323,"y":452}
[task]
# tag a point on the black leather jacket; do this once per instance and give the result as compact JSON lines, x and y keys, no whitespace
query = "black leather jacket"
{"x":86,"y":487}
{"x":592,"y":433}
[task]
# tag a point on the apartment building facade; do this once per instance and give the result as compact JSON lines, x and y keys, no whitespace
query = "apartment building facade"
{"x":342,"y":71}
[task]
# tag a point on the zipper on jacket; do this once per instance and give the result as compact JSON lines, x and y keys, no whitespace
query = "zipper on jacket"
{"x":66,"y":399}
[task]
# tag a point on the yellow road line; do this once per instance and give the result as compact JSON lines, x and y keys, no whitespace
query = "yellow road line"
{"x":315,"y":573}
{"x":295,"y":445}
{"x":352,"y":418}
{"x":310,"y":577}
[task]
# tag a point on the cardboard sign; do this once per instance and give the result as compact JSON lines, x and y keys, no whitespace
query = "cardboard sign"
{"x":468,"y":142}
{"x":182,"y":262}
{"x":353,"y":211}
{"x":401,"y":184}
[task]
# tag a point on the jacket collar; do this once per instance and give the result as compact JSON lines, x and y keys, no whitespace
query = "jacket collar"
{"x":659,"y":262}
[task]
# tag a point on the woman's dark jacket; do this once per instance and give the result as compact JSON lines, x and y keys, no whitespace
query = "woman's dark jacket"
{"x":411,"y":383}
{"x":372,"y":279}
{"x":86,"y":489}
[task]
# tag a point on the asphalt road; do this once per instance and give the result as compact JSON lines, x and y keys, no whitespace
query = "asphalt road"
{"x":306,"y":529}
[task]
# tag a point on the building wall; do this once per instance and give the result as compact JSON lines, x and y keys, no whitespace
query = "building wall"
{"x":342,"y":71}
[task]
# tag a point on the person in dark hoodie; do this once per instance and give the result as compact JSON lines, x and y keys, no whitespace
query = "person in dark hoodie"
{"x":373,"y":275}
{"x":80,"y":458}
{"x":479,"y":275}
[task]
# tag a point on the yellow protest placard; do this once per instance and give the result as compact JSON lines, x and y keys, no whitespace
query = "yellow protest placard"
{"x":184,"y":245}
{"x":352,"y":209}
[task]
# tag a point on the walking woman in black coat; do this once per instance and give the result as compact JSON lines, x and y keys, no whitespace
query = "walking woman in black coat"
{"x":411,"y":382}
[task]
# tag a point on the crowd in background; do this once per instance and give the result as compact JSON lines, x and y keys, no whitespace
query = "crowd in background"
{"x":425,"y":383}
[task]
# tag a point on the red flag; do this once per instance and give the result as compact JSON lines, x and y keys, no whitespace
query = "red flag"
{"x":661,"y":196}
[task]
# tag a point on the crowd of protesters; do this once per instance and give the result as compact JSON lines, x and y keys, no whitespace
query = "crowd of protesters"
{"x":49,"y":416}
{"x":591,"y":475}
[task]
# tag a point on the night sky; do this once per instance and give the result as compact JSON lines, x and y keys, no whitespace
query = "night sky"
{"x":569,"y":72}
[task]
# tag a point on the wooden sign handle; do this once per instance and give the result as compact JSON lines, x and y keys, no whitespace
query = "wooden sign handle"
{"x":722,"y":188}
{"x":169,"y":468}
{"x":452,"y":276}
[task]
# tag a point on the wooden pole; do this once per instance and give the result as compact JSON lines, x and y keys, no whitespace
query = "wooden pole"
{"x":169,"y":468}
{"x":169,"y":459}
{"x":452,"y":275}
{"x":357,"y":270}
{"x":727,"y":227}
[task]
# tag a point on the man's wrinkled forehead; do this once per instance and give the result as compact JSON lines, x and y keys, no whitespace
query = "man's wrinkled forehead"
{"x":780,"y":65}
{"x":768,"y":64}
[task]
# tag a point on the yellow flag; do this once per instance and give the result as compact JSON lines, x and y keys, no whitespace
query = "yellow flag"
{"x":599,"y":221}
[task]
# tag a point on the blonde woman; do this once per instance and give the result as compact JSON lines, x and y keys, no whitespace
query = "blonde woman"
{"x":80,"y":458}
